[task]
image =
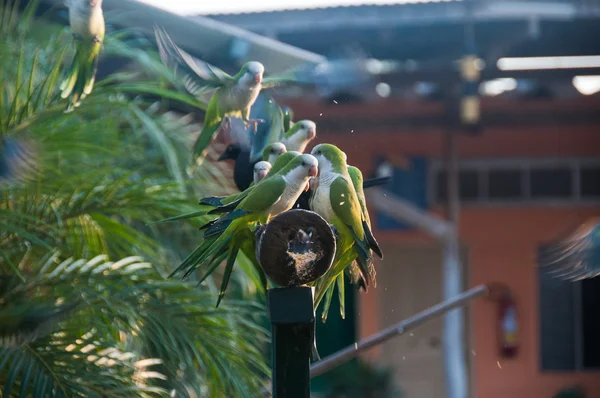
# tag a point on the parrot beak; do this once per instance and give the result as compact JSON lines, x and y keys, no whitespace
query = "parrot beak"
{"x":312,"y":133}
{"x":307,"y":187}
{"x":313,"y":171}
{"x":282,"y":151}
{"x":262,"y":174}
{"x":257,"y":77}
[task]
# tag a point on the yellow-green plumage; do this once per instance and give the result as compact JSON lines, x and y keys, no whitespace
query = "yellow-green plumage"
{"x":87,"y":25}
{"x":234,"y":231}
{"x":337,"y":201}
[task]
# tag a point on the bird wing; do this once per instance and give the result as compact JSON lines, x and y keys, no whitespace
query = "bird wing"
{"x":269,"y":131}
{"x":265,"y":194}
{"x":578,"y":255}
{"x":346,"y":207}
{"x":302,"y":74}
{"x":198,"y":76}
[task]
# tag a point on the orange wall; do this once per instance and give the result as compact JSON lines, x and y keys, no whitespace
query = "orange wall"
{"x":507,"y":252}
{"x":502,"y":241}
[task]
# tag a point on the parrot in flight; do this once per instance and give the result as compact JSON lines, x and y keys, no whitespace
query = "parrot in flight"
{"x":578,"y":255}
{"x":87,"y":25}
{"x":336,"y":200}
{"x":225,"y":235}
{"x":233,"y":95}
{"x":18,"y":159}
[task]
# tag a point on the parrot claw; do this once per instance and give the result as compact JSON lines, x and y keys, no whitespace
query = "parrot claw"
{"x":253,"y":122}
{"x":96,"y":39}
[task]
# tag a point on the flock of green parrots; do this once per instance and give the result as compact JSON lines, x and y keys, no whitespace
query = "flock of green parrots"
{"x":282,"y":172}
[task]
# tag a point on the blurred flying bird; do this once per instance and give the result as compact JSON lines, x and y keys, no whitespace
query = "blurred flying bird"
{"x":578,"y":255}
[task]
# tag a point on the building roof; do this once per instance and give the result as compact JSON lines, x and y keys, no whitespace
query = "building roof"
{"x":431,"y":34}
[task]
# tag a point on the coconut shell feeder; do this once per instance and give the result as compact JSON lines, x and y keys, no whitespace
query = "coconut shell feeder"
{"x":294,"y":248}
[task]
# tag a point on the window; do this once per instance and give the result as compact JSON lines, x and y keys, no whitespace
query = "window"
{"x":569,"y":323}
{"x":590,"y":182}
{"x":468,"y":181}
{"x":497,"y":181}
{"x":505,"y":184}
{"x":551,"y":183}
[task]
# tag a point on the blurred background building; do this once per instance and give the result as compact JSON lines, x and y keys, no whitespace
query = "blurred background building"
{"x":528,"y":173}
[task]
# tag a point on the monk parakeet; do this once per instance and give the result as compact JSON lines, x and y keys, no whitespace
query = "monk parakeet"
{"x":358,"y":184}
{"x":260,"y":170}
{"x":225,"y":235}
{"x":242,"y":170}
{"x":87,"y":25}
{"x":577,"y":256}
{"x":273,"y":151}
{"x":299,"y":135}
{"x":336,"y":200}
{"x":233,"y":95}
{"x":223,"y":201}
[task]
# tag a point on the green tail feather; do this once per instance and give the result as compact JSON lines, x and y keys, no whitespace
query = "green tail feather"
{"x":185,"y":216}
{"x":206,"y":136}
{"x":233,"y":251}
{"x":81,"y":76}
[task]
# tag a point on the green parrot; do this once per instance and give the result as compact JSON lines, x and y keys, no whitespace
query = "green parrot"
{"x":87,"y":25}
{"x":260,"y":170}
{"x":357,"y":181}
{"x":335,"y":199}
{"x":233,"y":95}
{"x":299,"y":135}
{"x":225,"y":236}
{"x":223,"y":204}
{"x":273,"y":151}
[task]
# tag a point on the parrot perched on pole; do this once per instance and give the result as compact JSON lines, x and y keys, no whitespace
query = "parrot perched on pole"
{"x":87,"y":25}
{"x":295,"y":139}
{"x":260,"y":170}
{"x":242,"y":170}
{"x":225,"y":235}
{"x":358,"y":183}
{"x":336,"y":200}
{"x":233,"y":95}
{"x":299,"y":135}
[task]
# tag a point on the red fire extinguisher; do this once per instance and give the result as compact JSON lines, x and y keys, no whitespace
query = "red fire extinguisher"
{"x":508,"y":324}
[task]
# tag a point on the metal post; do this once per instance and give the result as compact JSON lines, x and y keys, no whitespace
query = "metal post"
{"x":281,"y":248}
{"x":293,"y":326}
{"x":396,"y":330}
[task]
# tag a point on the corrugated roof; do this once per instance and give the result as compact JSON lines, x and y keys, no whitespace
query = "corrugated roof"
{"x":350,"y":7}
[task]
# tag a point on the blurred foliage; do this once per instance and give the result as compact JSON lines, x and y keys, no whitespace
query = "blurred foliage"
{"x":85,"y":309}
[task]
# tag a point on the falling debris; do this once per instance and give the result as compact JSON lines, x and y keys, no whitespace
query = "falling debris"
{"x":498,"y":363}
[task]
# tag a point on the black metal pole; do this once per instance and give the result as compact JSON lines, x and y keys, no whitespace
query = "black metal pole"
{"x":293,"y":326}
